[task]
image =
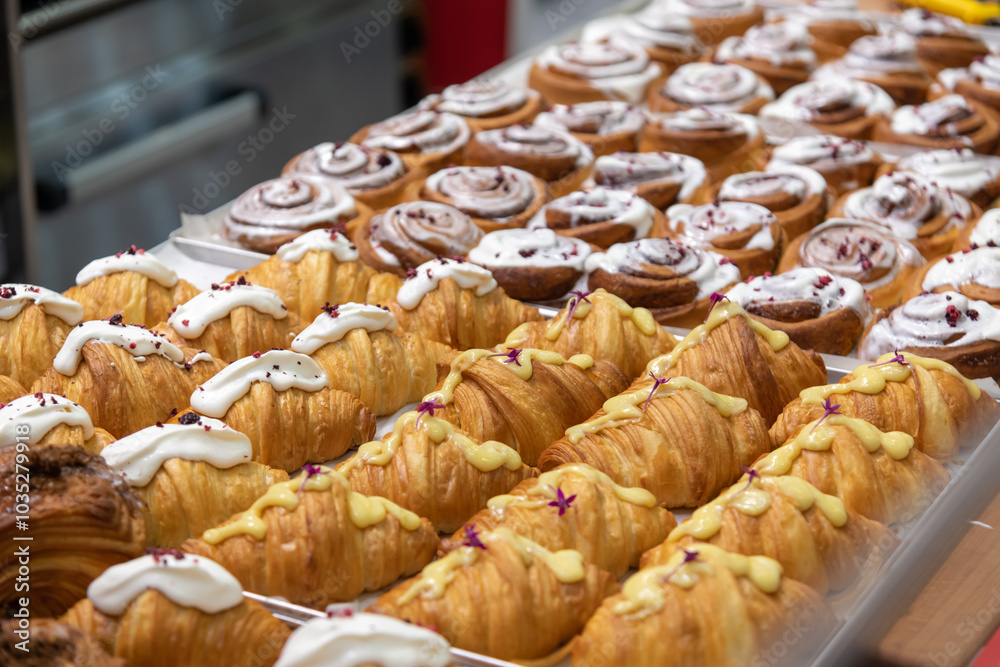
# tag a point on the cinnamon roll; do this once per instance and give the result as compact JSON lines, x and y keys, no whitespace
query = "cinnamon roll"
{"x":833,"y":24}
{"x":779,"y":52}
{"x":374,"y":177}
{"x":606,"y":127}
{"x":948,"y":326}
{"x":558,"y":158}
{"x":615,"y":69}
{"x":818,"y":310}
{"x":975,"y":177}
{"x":718,"y":87}
{"x":980,"y":81}
{"x":532,"y":264}
{"x":912,"y":208}
{"x":672,"y":280}
{"x":748,"y":234}
{"x":601,"y":216}
{"x":833,"y":105}
{"x":277,"y":211}
{"x":714,"y":20}
{"x":727,"y":143}
{"x":844,"y":163}
{"x":973,"y":272}
{"x":986,"y":232}
{"x":861,"y":251}
{"x":426,"y":140}
{"x":942,"y":41}
{"x":947,"y":122}
{"x":486,"y":105}
{"x":668,"y":37}
{"x":662,"y":179}
{"x":409,"y":234}
{"x":495,"y":197}
{"x":889,"y":61}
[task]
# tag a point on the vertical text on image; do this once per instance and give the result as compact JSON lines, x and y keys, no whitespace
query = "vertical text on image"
{"x":22,"y":507}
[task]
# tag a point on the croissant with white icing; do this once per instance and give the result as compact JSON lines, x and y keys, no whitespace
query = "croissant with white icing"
{"x":601,"y":325}
{"x":50,"y":420}
{"x":575,"y":506}
{"x":503,"y":595}
{"x":705,"y":606}
{"x":676,"y":439}
{"x":314,"y":541}
{"x":925,"y":398}
{"x":34,"y":322}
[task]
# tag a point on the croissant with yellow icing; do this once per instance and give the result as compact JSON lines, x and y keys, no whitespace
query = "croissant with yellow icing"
{"x":34,"y":322}
{"x":50,"y":420}
{"x":10,"y":389}
{"x":314,"y":541}
{"x":601,"y":325}
{"x":676,"y":439}
{"x":705,"y":606}
{"x":925,"y":398}
{"x":577,"y":507}
{"x":502,"y":595}
{"x":434,"y":469}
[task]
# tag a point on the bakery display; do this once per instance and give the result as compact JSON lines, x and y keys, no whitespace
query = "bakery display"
{"x":607,"y":126}
{"x":34,"y":322}
{"x":780,"y":52}
{"x":614,"y":69}
{"x":951,"y":122}
{"x":536,"y":264}
{"x":719,"y":87}
{"x":887,"y":60}
{"x":485,"y":104}
{"x":49,"y":420}
{"x":660,"y":178}
{"x":726,"y":143}
{"x":835,"y":105}
{"x":425,"y":139}
{"x":846,"y":164}
{"x":601,"y":216}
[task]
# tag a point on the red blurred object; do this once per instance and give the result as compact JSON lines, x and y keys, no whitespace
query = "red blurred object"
{"x":464,"y":39}
{"x":990,"y":656}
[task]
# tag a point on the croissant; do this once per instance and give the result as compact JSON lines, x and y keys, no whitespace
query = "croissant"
{"x":577,"y":507}
{"x":435,"y":470}
{"x":125,"y":377}
{"x":458,"y":304}
{"x":34,"y":322}
{"x":169,"y":609}
{"x":676,"y":439}
{"x":925,"y":398}
{"x":282,"y":402}
{"x":132,"y":283}
{"x":60,"y":643}
{"x":50,"y":419}
{"x":523,"y":398}
{"x":231,"y":321}
{"x":502,"y":595}
{"x":192,"y":476}
{"x":602,"y":326}
{"x":10,"y":389}
{"x":314,"y":541}
{"x":706,"y":607}
{"x":353,"y":345}
{"x":878,"y":475}
{"x":81,"y":518}
{"x":320,"y":267}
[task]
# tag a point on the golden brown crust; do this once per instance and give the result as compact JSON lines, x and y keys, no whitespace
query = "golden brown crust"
{"x":533,"y":104}
{"x":710,"y":30}
{"x":239,"y":334}
{"x":833,"y":333}
{"x":560,"y":88}
{"x":796,"y":215}
{"x":736,"y":244}
{"x":420,"y":164}
{"x":980,"y":131}
{"x":52,"y":644}
{"x":10,"y":389}
{"x":938,"y":52}
{"x":971,"y":290}
{"x":73,"y":435}
{"x":723,"y":153}
{"x":29,"y":342}
{"x":139,"y":299}
{"x":832,"y":37}
{"x":562,"y":174}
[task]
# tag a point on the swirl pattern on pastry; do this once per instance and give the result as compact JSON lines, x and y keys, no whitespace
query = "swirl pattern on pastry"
{"x":669,"y":37}
{"x":846,"y":164}
{"x":500,"y":196}
{"x":784,"y":44}
{"x":616,"y":69}
{"x":606,"y":125}
{"x":409,"y":234}
{"x":949,"y":116}
{"x":356,"y":168}
{"x":419,"y":131}
{"x":877,"y":55}
{"x":546,"y":153}
{"x":831,"y":102}
{"x":748,"y":234}
{"x":827,"y":292}
{"x":481,"y":99}
{"x":722,"y":87}
{"x":598,"y":206}
{"x":726,"y":143}
{"x":974,"y":273}
{"x":659,"y":178}
{"x":961,"y":170}
{"x":796,"y":195}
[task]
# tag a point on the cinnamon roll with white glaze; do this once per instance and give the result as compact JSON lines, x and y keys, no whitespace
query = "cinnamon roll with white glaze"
{"x":986,"y":232}
{"x":494,"y":197}
{"x":951,"y":121}
{"x":975,"y":177}
{"x":833,"y":105}
{"x":662,"y":179}
{"x":532,"y":264}
{"x":726,"y":143}
{"x":674,"y":281}
{"x":277,"y":211}
{"x":868,"y":253}
{"x":833,"y":24}
{"x":600,"y":216}
{"x":724,"y":87}
{"x":558,"y":158}
{"x":668,"y":37}
{"x":426,"y":140}
{"x":780,"y":52}
{"x":486,"y":105}
{"x":889,"y":61}
{"x":714,"y":20}
{"x":973,"y":272}
{"x":409,"y":234}
{"x":844,"y":163}
{"x":606,"y":127}
{"x":942,"y":41}
{"x":980,"y":81}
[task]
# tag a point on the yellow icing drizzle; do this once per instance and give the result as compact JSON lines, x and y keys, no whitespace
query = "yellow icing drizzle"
{"x":722,"y":312}
{"x":641,"y":317}
{"x":628,"y":407}
{"x":364,"y":511}
{"x":643,"y":591}
{"x":544,"y":490}
{"x":435,"y":577}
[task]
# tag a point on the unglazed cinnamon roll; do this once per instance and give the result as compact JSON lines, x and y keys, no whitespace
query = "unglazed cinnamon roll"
{"x":861,"y":251}
{"x":833,"y":24}
{"x":779,"y":52}
{"x":912,"y":208}
{"x":951,"y":121}
{"x":714,"y":20}
{"x":948,"y":326}
{"x":615,"y":69}
{"x":495,"y":197}
{"x":486,"y":105}
{"x":407,"y":235}
{"x":980,"y":81}
{"x":748,"y":234}
{"x":817,"y":309}
{"x":718,"y":87}
{"x":727,"y":143}
{"x":426,"y":140}
{"x":975,"y":177}
{"x":942,"y":41}
{"x":844,"y":163}
{"x":668,"y":37}
{"x":662,"y":179}
{"x":974,"y":273}
{"x":833,"y":105}
{"x":889,"y":61}
{"x":373,"y":176}
{"x":606,"y":126}
{"x":532,"y":264}
{"x":558,"y":158}
{"x":601,"y":216}
{"x":280,"y":210}
{"x":986,"y":232}
{"x":674,"y":281}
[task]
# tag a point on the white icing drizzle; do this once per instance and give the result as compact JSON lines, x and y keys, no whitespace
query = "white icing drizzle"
{"x":191,"y":318}
{"x":980,"y":266}
{"x":421,"y":131}
{"x":282,"y":369}
{"x":801,"y":182}
{"x":723,"y":87}
{"x":922,"y":23}
{"x":708,"y":8}
{"x":702,"y":225}
{"x":289,"y":204}
{"x":188,"y":581}
{"x":987,"y":230}
{"x":653,"y":27}
{"x":618,"y":67}
{"x":357,"y":168}
{"x":704,"y":119}
{"x":327,"y":240}
{"x":985,"y":73}
{"x":936,"y":118}
{"x":529,"y":247}
{"x":137,"y":341}
{"x":134,"y":260}
{"x":593,"y":118}
{"x":480,"y":99}
{"x":495,"y":193}
{"x":138,"y":457}
{"x":822,"y":152}
{"x":600,"y":205}
{"x":544,"y":142}
{"x":627,"y":171}
{"x":40,"y":413}
{"x":875,"y":55}
{"x":810,"y":101}
{"x":15,"y":296}
{"x":959,"y":169}
{"x":423,"y":230}
{"x":783,"y":44}
{"x":819,"y":286}
{"x":337,"y":321}
{"x":427,"y":276}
